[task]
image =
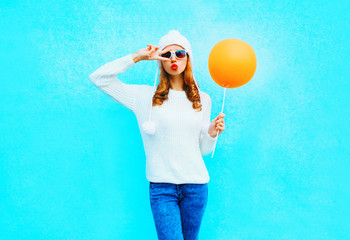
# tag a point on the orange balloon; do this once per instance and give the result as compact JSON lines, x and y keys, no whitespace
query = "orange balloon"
{"x":232,"y":63}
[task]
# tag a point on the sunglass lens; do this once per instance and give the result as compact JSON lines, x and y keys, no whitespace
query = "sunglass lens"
{"x":166,"y":55}
{"x":180,"y":53}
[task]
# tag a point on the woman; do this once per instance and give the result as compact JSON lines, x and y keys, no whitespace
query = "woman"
{"x":178,"y":136}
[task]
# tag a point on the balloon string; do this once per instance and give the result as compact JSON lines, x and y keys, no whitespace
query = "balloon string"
{"x":217,"y":133}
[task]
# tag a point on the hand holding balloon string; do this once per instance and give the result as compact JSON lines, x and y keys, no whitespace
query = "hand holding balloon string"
{"x":217,"y":125}
{"x":218,"y":120}
{"x":232,"y":63}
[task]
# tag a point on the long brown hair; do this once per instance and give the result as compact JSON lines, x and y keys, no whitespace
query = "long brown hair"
{"x":190,"y":88}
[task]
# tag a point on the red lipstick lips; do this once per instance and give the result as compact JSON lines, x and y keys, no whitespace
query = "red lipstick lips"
{"x":174,"y":66}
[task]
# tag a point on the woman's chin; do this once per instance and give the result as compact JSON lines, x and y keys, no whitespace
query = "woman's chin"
{"x":175,"y":72}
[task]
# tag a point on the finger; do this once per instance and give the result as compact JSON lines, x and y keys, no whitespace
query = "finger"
{"x":220,"y":128}
{"x":150,"y":46}
{"x":219,"y":121}
{"x":159,"y":53}
{"x":163,"y":51}
{"x":161,"y":58}
{"x":151,"y":52}
{"x":158,"y":57}
{"x":164,"y":59}
{"x":154,"y":48}
{"x":221,"y":116}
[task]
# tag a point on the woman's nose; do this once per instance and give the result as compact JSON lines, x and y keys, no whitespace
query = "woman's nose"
{"x":173,"y":57}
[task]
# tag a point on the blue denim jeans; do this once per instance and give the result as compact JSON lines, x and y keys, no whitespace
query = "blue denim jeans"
{"x":178,"y":209}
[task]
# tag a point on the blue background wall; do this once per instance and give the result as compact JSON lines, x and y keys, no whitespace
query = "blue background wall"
{"x":72,"y":164}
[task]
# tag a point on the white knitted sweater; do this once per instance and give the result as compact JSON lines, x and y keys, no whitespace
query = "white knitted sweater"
{"x":174,"y":152}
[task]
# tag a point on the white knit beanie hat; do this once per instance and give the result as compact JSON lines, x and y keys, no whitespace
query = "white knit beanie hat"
{"x":172,"y":37}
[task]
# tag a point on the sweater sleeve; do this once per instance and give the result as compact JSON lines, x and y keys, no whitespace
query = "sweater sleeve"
{"x":105,"y":78}
{"x":206,"y":141}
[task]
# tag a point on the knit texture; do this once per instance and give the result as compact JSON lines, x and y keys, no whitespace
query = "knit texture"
{"x":174,"y":153}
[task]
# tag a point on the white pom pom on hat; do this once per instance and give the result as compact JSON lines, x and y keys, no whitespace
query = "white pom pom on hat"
{"x":149,"y":127}
{"x":172,"y":37}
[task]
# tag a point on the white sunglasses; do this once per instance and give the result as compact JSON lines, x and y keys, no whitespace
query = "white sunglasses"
{"x":179,"y":54}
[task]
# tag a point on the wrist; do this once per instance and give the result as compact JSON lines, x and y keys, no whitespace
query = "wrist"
{"x":136,"y":58}
{"x":211,"y":135}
